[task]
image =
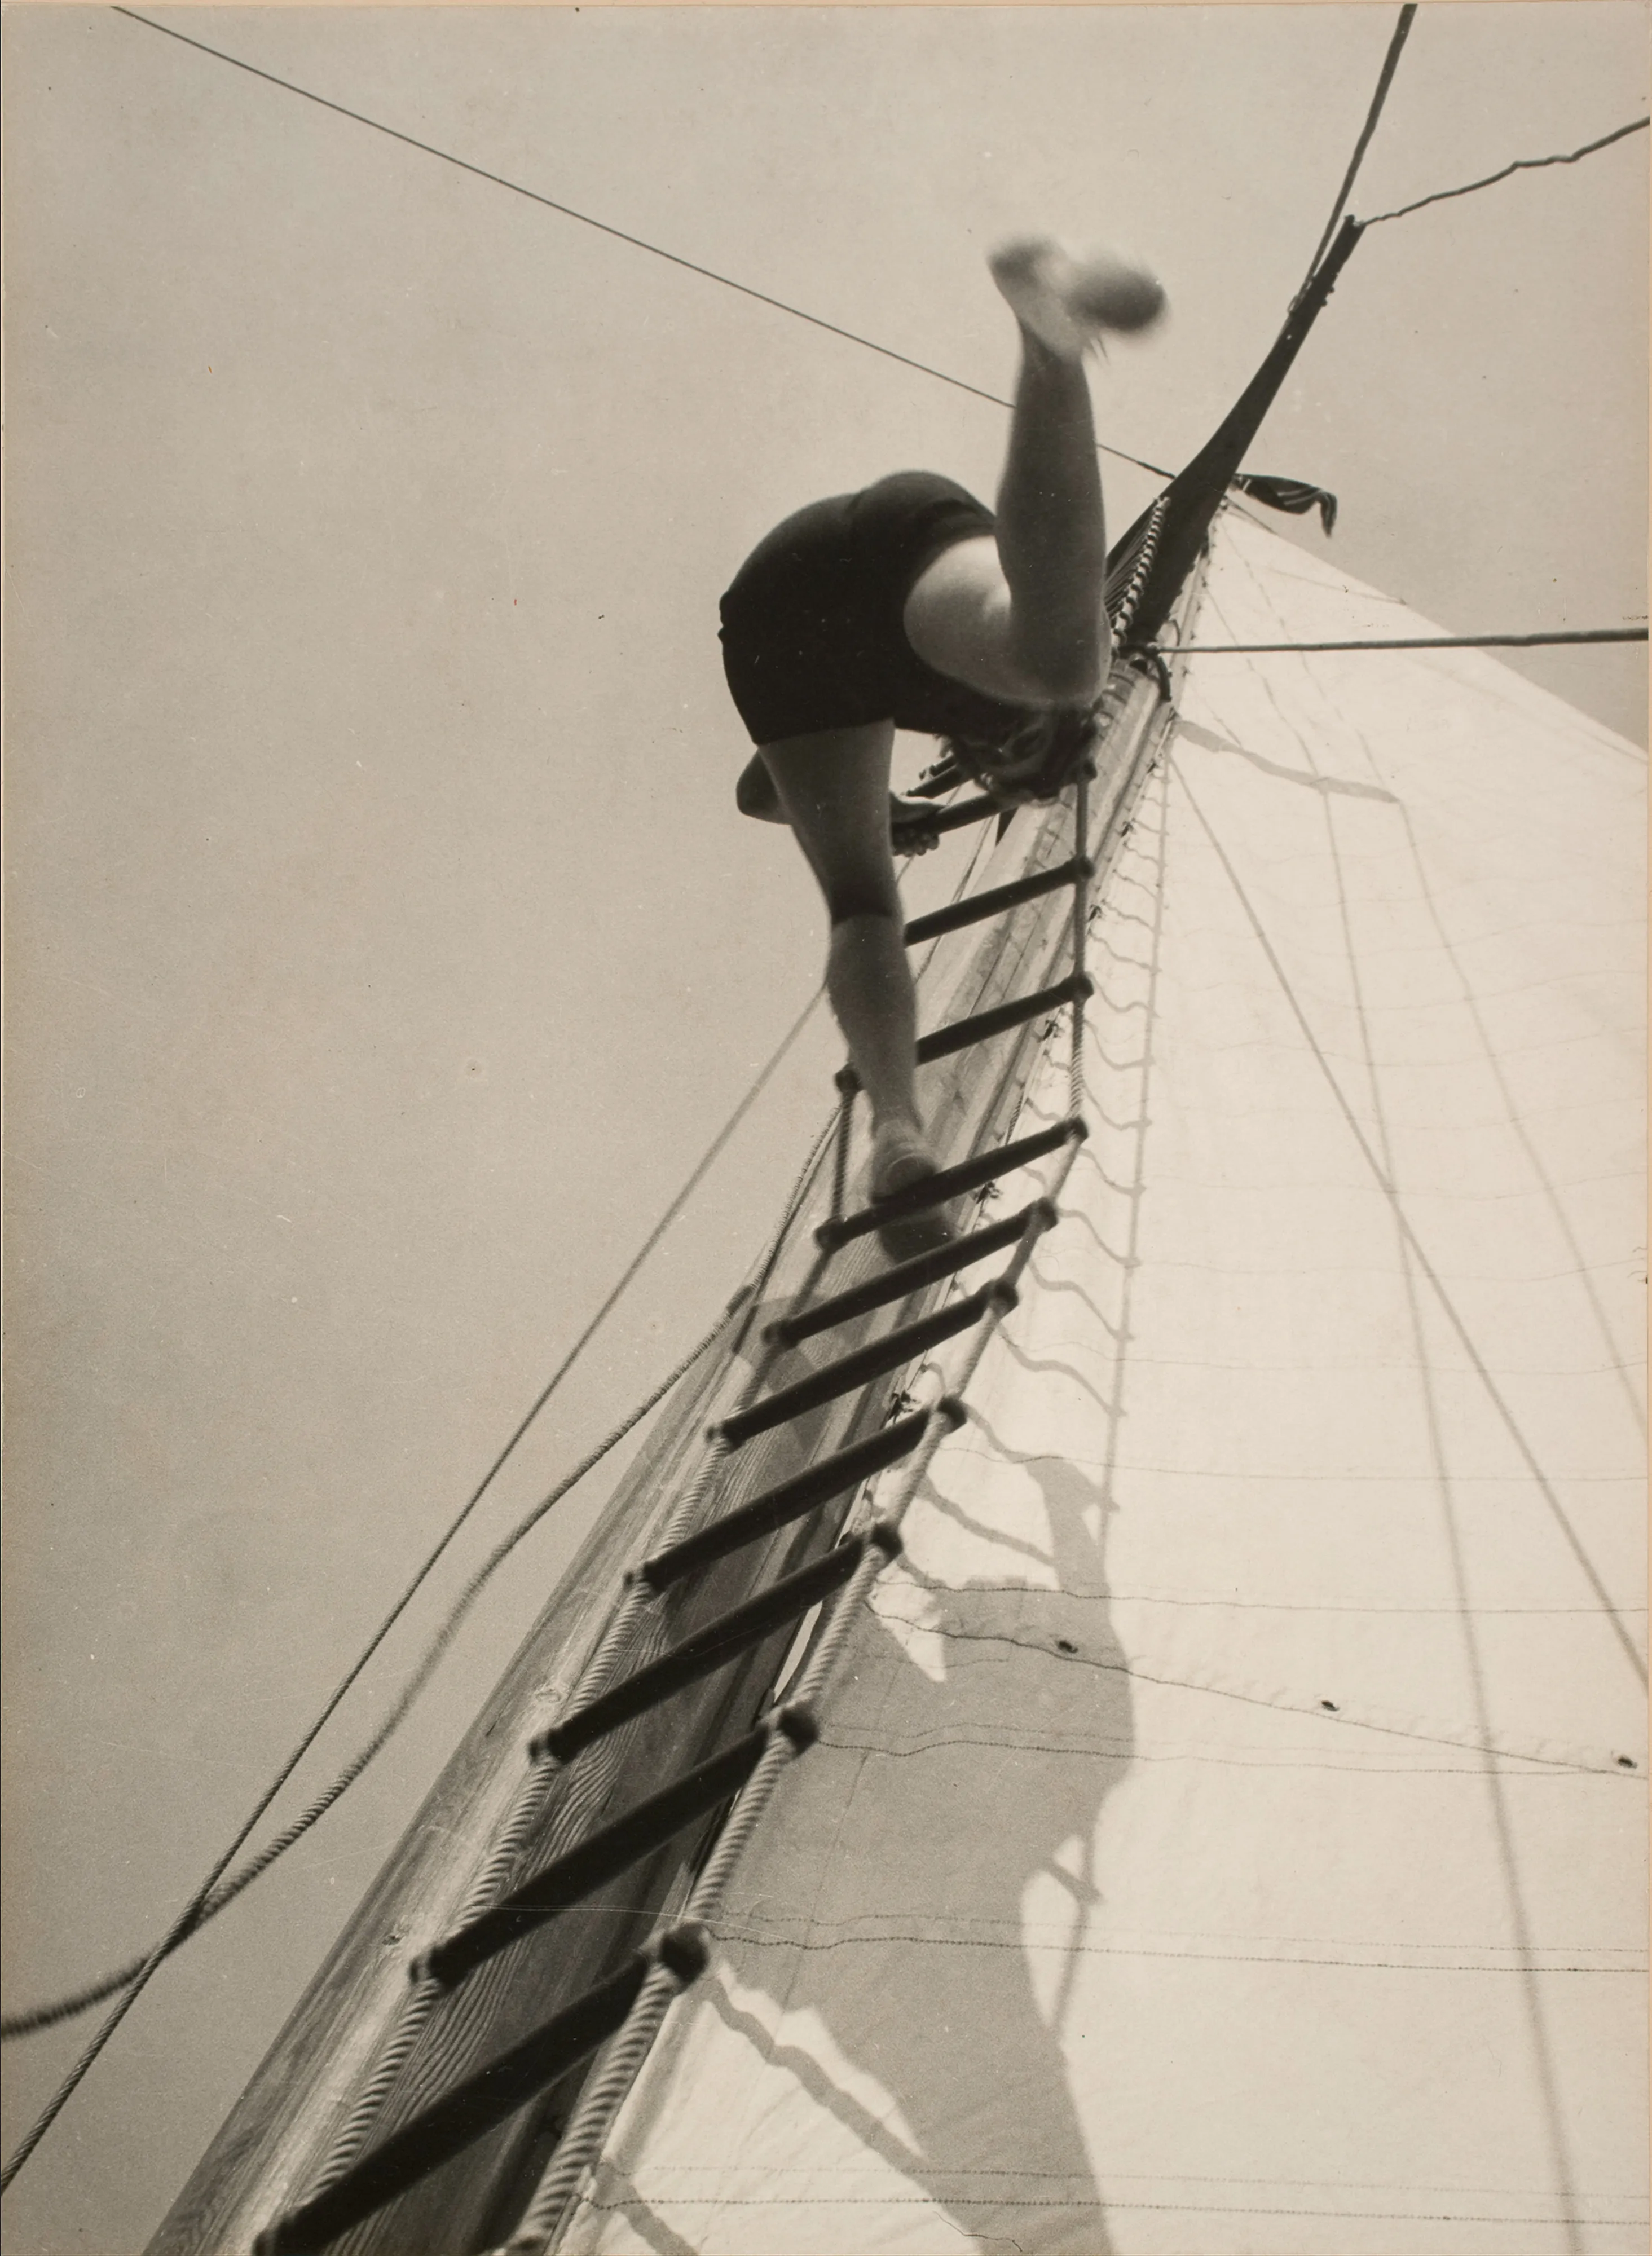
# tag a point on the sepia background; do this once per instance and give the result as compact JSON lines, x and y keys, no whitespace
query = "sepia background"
{"x":383,"y":945}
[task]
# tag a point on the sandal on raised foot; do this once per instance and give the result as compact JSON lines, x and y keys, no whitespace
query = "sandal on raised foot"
{"x":1066,"y":302}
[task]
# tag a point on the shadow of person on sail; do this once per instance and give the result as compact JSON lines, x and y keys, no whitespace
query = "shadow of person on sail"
{"x":904,"y":1959}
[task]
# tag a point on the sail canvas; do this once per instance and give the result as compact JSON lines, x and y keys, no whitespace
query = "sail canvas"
{"x":1227,"y":1828}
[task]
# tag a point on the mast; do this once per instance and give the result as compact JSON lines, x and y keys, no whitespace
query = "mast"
{"x":366,"y":2053}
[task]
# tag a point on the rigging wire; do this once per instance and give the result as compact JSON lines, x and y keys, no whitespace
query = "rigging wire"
{"x":1391,"y":62}
{"x":214,"y":1899}
{"x":602,"y":227}
{"x":1519,"y":165}
{"x":1408,"y":642}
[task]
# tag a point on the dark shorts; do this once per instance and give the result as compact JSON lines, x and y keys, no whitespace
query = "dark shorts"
{"x":812,"y":632}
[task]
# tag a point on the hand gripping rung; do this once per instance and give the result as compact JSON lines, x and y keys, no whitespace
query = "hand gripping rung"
{"x":569,"y":1878}
{"x":904,"y":1278}
{"x":708,"y":1649}
{"x":958,"y":1036}
{"x":482,"y":2101}
{"x":949,"y":1183}
{"x":863,"y":1365}
{"x":790,"y":1500}
{"x":981,"y":905}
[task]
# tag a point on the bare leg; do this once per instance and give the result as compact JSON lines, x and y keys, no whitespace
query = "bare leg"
{"x":1052,"y":541}
{"x":869,"y":985}
{"x":834,"y":787}
{"x":1052,"y":538}
{"x":1024,"y":618}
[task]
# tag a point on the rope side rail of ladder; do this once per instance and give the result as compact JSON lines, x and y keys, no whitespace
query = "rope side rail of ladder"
{"x":347,"y":2190}
{"x":526,"y":1808}
{"x":408,"y":2027}
{"x":593,"y":1711}
{"x":351,"y":2185}
{"x":399,"y":2042}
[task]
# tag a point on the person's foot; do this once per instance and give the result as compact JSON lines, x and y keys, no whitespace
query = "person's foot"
{"x":1068,"y":302}
{"x":901,"y":1155}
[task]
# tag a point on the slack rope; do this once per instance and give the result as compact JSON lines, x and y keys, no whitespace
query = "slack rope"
{"x":65,"y":2009}
{"x":1520,"y":164}
{"x":219,"y":1898}
{"x":216,"y":1893}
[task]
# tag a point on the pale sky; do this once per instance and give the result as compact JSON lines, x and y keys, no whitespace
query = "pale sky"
{"x":385,"y":946}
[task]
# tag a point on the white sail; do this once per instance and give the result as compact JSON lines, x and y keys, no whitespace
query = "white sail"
{"x":1227,"y":1829}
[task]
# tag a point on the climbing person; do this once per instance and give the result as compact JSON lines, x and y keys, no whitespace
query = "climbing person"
{"x":909,"y":605}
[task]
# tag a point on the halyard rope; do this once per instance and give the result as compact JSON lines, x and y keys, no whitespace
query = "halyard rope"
{"x":1519,"y":165}
{"x":211,"y":1898}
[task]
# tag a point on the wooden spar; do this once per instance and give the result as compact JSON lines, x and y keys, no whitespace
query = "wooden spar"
{"x":269,"y":2151}
{"x":1195,"y":493}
